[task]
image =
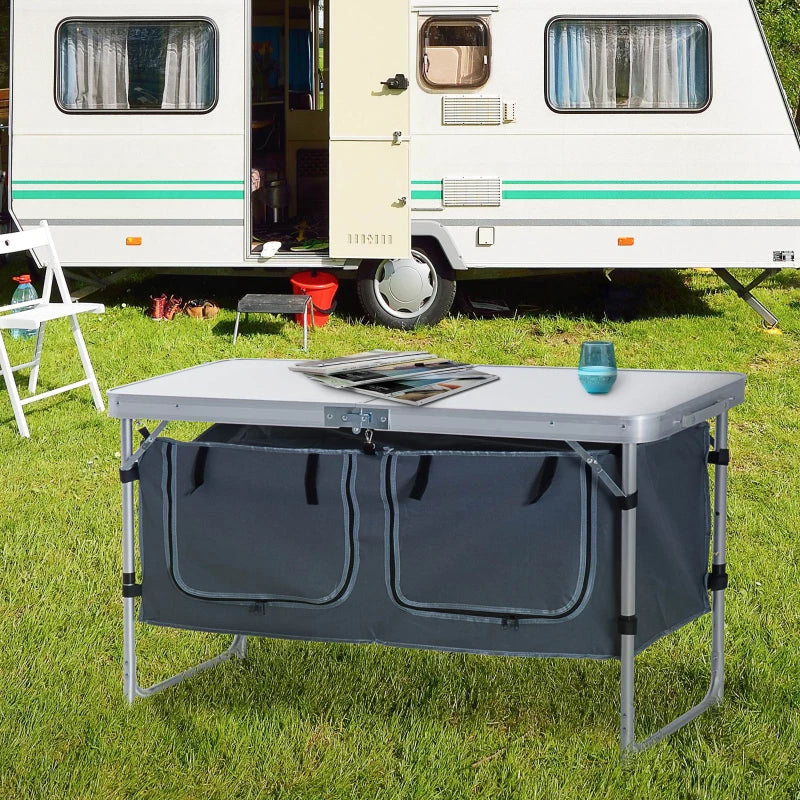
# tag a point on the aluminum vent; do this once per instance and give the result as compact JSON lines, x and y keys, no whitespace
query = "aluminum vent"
{"x":472,"y":110}
{"x":472,"y":191}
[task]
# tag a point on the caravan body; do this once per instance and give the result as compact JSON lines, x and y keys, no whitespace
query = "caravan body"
{"x":437,"y":139}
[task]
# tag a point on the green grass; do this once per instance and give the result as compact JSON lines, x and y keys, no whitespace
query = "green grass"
{"x":301,"y":720}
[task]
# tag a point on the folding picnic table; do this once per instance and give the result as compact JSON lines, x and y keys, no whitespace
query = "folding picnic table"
{"x":526,"y":517}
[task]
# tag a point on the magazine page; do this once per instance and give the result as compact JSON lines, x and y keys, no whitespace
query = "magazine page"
{"x":418,"y":391}
{"x":370,"y":358}
{"x":350,"y":378}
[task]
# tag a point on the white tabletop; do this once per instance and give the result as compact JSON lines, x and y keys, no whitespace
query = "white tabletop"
{"x":527,"y":402}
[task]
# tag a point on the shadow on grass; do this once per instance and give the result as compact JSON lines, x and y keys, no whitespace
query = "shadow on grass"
{"x":316,"y":681}
{"x":226,"y":291}
{"x":256,"y":323}
{"x":629,"y":295}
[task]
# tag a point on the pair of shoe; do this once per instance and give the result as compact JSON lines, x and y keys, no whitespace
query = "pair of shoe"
{"x":163,"y":307}
{"x":201,"y":309}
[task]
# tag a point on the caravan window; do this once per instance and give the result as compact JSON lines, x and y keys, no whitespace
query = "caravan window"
{"x":136,"y":65}
{"x":454,"y":53}
{"x":628,"y":64}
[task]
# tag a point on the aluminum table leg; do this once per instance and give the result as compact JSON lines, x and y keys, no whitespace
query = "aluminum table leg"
{"x":717,"y":584}
{"x":627,"y":717}
{"x":132,"y":689}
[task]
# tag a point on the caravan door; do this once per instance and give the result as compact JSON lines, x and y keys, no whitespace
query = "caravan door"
{"x":369,"y":129}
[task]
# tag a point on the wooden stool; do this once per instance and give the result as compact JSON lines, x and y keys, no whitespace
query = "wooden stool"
{"x":276,"y":304}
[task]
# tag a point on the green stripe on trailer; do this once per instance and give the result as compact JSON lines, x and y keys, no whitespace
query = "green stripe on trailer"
{"x":126,"y":183}
{"x":621,"y":192}
{"x":643,"y":183}
{"x":426,"y":195}
{"x":126,"y":194}
{"x":651,"y":194}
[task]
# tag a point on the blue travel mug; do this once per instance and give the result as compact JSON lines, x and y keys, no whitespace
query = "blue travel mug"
{"x":597,"y":369}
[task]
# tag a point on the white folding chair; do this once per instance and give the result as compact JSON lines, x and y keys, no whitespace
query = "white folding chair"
{"x":36,"y":314}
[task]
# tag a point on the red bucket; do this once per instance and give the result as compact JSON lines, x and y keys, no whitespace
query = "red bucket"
{"x":321,"y":287}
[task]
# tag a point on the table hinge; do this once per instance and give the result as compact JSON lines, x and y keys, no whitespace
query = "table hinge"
{"x":376,"y":419}
{"x":598,"y":470}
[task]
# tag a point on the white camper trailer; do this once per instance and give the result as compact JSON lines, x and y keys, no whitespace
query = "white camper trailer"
{"x":419,"y":141}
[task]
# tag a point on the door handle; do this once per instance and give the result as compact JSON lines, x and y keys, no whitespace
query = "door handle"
{"x":399,"y":82}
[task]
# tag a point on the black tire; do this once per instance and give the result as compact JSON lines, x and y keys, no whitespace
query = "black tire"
{"x":422,"y":294}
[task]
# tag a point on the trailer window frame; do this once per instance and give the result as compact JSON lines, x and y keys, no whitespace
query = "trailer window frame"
{"x":121,"y":20}
{"x":629,"y":18}
{"x":481,"y":22}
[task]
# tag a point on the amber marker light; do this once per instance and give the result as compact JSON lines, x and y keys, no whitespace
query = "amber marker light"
{"x":133,"y":241}
{"x":625,"y":241}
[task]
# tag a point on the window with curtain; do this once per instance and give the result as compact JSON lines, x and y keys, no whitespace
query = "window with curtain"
{"x":136,"y":65}
{"x":628,"y":64}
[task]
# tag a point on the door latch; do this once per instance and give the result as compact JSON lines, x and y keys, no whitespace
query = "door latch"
{"x":396,"y":137}
{"x":399,"y":82}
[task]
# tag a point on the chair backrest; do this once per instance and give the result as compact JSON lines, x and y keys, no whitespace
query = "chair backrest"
{"x":36,"y":238}
{"x":33,"y":316}
{"x":25,"y":240}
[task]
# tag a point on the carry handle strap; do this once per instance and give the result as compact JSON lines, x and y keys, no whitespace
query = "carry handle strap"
{"x":421,"y":478}
{"x":543,"y":480}
{"x":199,"y":471}
{"x":312,"y":467}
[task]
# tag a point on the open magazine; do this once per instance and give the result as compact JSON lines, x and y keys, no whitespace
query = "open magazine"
{"x":414,"y":378}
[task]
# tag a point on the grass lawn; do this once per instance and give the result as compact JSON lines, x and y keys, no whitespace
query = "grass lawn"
{"x":300,"y":720}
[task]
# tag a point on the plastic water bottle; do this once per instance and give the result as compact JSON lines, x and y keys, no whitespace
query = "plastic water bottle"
{"x":24,"y":293}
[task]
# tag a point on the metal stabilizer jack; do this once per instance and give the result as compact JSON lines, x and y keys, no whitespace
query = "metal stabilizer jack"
{"x":770,"y":320}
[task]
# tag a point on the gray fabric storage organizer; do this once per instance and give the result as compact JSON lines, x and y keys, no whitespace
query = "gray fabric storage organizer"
{"x":434,"y":541}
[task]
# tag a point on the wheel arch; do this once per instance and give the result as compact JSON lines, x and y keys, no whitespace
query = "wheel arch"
{"x":425,"y":231}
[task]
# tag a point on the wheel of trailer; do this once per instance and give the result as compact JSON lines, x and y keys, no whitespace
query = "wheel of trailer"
{"x":404,"y":293}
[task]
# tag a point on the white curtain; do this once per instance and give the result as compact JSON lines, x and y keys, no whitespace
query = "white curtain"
{"x":188,"y":72}
{"x":94,"y":71}
{"x":653,"y":65}
{"x":668,"y":65}
{"x":583,"y":65}
{"x":621,"y":64}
